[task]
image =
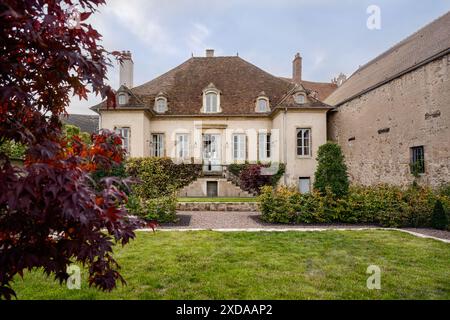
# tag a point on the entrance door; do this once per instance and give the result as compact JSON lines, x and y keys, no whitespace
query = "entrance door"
{"x":211,"y":188}
{"x":211,"y":153}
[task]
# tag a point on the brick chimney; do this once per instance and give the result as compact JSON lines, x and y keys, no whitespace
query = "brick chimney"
{"x":297,"y":68}
{"x":126,"y":70}
{"x":209,"y":53}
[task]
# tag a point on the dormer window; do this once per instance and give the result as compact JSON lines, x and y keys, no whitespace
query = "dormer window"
{"x":300,"y":98}
{"x":211,"y":99}
{"x":122,"y":99}
{"x":262,"y":103}
{"x":160,"y":104}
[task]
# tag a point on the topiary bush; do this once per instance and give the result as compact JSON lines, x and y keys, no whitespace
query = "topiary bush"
{"x":439,"y":218}
{"x":331,"y":170}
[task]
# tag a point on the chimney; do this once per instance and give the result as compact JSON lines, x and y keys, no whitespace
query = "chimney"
{"x":297,"y":68}
{"x":126,"y":70}
{"x":209,"y":53}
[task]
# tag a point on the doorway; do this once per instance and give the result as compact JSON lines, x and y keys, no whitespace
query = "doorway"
{"x":212,"y":188}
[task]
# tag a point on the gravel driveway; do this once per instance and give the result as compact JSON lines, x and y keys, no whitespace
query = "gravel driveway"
{"x":250,"y":220}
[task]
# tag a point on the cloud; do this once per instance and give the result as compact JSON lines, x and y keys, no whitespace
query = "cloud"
{"x":196,"y":38}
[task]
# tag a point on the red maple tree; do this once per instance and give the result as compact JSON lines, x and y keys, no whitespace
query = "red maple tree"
{"x":52,"y":213}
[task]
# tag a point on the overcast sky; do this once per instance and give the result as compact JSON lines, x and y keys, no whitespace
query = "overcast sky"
{"x":331,"y":36}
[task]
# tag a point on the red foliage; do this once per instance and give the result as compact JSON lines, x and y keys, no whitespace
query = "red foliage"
{"x":51,"y":214}
{"x":251,"y":178}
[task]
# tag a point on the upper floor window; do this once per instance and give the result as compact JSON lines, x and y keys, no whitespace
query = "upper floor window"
{"x":122,"y":99}
{"x":262,"y":105}
{"x":264,"y":142}
{"x":417,"y":163}
{"x":304,"y":142}
{"x":300,"y":98}
{"x":239,"y":147}
{"x":158,"y":145}
{"x":124,"y":133}
{"x":211,"y":99}
{"x":161,"y":105}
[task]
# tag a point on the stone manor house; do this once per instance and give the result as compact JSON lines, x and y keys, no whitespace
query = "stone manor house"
{"x":391,"y":117}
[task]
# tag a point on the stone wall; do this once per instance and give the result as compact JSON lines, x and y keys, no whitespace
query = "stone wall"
{"x":377,"y":130}
{"x":218,"y":206}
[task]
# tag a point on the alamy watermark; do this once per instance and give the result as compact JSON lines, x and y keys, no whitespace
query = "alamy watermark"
{"x":374,"y":280}
{"x":74,"y":280}
{"x":374,"y":20}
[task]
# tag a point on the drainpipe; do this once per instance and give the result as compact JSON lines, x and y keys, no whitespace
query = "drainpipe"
{"x":284,"y":146}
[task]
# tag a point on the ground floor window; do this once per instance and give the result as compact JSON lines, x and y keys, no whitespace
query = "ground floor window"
{"x":417,"y":163}
{"x":124,"y":133}
{"x":158,"y":144}
{"x":264,"y":141}
{"x":304,"y":184}
{"x":182,"y":145}
{"x":304,"y":142}
{"x":239,"y":147}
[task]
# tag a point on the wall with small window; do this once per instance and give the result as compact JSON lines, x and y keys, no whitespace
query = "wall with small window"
{"x":305,"y":131}
{"x":138,"y":125}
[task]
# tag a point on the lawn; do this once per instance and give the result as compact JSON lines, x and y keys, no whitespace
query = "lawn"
{"x":267,"y":265}
{"x":217,"y":199}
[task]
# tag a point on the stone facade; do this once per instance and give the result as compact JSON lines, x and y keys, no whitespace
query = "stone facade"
{"x":377,"y":129}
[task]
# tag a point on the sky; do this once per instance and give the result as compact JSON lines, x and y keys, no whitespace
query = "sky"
{"x":331,"y":36}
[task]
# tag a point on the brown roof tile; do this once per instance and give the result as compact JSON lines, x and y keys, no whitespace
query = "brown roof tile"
{"x":428,"y":42}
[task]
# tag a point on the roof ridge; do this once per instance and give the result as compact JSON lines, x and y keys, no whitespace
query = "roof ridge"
{"x":398,"y":44}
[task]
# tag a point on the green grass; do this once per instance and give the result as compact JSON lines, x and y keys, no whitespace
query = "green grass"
{"x":267,"y":265}
{"x":217,"y":199}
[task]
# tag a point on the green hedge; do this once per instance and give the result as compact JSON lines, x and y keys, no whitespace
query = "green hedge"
{"x":154,"y":195}
{"x":384,"y":205}
{"x":160,"y":176}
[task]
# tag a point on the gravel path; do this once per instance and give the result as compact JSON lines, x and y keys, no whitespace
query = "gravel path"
{"x":250,"y":220}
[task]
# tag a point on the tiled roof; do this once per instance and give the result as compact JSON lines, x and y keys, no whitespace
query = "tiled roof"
{"x":239,"y":82}
{"x":426,"y":44}
{"x":323,"y":89}
{"x":86,"y":123}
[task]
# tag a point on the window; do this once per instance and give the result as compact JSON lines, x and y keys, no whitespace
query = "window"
{"x":161,"y":105}
{"x":122,"y":99}
{"x":182,"y":143}
{"x":304,"y":184}
{"x":264,"y":146}
{"x":211,"y":102}
{"x":211,"y":99}
{"x":239,"y":146}
{"x":304,"y":142}
{"x":124,"y":133}
{"x":417,"y":163}
{"x":262,"y":105}
{"x":158,"y":144}
{"x":300,"y":98}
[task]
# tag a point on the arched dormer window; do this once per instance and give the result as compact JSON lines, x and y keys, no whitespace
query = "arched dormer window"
{"x":300,"y":98}
{"x":211,"y":99}
{"x":122,"y":99}
{"x":262,"y":103}
{"x":160,"y":103}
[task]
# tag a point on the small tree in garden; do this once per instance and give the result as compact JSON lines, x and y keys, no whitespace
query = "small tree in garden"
{"x":52,"y":213}
{"x":439,"y":218}
{"x":331,"y":170}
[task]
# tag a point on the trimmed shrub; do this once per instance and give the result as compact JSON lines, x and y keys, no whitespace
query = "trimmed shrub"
{"x":384,"y":205}
{"x":439,"y":218}
{"x":162,"y":209}
{"x":331,"y":170}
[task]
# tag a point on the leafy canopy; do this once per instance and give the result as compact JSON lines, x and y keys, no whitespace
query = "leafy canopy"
{"x":52,"y":214}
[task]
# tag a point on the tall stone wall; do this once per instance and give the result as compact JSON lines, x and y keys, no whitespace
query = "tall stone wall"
{"x":377,"y":130}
